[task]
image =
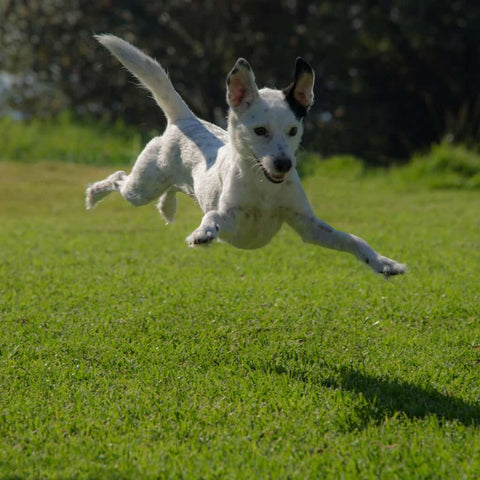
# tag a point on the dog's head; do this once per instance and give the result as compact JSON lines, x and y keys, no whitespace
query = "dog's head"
{"x":266,"y":125}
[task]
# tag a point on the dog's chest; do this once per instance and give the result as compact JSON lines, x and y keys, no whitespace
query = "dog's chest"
{"x":255,"y":227}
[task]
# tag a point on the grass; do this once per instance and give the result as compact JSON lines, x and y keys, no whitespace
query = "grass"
{"x":124,"y":354}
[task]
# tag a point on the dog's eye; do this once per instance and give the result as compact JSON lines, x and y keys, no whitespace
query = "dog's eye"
{"x":293,"y":131}
{"x":260,"y":131}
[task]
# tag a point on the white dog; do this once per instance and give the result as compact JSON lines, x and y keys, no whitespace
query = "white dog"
{"x":244,"y":179}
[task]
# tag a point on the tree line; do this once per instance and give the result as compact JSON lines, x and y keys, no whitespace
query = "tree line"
{"x":392,"y":77}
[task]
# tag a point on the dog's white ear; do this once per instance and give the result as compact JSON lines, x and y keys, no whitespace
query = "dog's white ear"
{"x":299,"y":94}
{"x":242,"y":90}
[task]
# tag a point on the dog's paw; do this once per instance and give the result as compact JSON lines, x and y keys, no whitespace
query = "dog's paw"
{"x":388,"y":267}
{"x":201,"y":237}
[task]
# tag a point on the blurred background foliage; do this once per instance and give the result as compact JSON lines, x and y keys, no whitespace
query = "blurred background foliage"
{"x":393,"y":77}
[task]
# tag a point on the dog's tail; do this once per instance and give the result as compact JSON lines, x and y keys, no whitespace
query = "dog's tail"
{"x":151,"y":74}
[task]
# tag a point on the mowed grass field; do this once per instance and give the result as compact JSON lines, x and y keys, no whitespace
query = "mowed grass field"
{"x":124,"y":354}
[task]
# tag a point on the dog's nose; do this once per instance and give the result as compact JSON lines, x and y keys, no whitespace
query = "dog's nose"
{"x":282,"y":164}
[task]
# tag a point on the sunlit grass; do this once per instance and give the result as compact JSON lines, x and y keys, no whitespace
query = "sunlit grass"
{"x":124,"y":354}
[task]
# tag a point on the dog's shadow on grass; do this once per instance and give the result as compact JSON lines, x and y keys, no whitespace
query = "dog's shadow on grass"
{"x":381,"y":397}
{"x":387,"y":397}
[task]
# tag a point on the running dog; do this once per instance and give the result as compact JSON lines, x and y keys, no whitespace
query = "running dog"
{"x":244,"y":179}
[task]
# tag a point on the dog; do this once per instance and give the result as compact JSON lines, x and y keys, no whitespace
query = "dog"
{"x":244,"y":179}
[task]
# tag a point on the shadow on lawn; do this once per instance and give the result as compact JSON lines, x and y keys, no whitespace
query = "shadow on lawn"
{"x":386,"y":397}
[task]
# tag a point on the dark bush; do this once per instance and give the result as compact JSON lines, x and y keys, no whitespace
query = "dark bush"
{"x":392,"y":76}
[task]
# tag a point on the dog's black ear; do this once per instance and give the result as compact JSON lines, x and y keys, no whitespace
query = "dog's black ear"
{"x":299,"y":94}
{"x":241,"y":87}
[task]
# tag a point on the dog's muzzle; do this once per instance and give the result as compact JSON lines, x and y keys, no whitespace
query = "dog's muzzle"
{"x":282,"y":166}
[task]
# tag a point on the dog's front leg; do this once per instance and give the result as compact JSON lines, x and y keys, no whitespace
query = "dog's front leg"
{"x":316,"y":231}
{"x":213,"y":224}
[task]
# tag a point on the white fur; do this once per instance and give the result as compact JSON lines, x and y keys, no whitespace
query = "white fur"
{"x":234,"y":175}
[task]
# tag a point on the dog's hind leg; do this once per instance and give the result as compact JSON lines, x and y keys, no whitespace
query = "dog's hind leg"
{"x":150,"y":177}
{"x":167,"y":205}
{"x":99,"y":190}
{"x":146,"y":182}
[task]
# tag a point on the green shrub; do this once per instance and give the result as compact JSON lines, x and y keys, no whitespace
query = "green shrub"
{"x":444,"y":166}
{"x":63,"y":139}
{"x":345,"y":166}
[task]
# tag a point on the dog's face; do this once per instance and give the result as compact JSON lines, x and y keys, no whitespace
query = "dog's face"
{"x":267,"y":125}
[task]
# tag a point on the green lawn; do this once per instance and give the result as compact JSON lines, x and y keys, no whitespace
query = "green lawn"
{"x":124,"y":354}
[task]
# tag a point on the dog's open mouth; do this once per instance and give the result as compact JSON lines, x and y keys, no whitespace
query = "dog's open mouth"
{"x":274,"y":177}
